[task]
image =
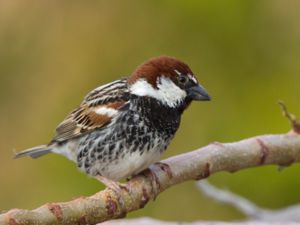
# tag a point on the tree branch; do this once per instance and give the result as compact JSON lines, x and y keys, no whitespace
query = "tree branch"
{"x":281,"y":149}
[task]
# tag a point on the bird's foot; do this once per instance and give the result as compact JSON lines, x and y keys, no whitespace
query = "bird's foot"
{"x":165,"y":167}
{"x":111,"y":184}
{"x":154,"y":180}
{"x":155,"y":183}
{"x":115,"y":186}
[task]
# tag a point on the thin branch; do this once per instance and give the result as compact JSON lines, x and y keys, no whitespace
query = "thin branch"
{"x":291,"y":117}
{"x":149,"y":221}
{"x":252,"y":211}
{"x":281,"y":149}
{"x":226,"y":197}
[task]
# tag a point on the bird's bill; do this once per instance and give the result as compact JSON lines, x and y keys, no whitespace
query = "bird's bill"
{"x":198,"y":93}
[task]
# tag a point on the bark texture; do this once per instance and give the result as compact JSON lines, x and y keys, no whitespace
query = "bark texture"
{"x":277,"y":149}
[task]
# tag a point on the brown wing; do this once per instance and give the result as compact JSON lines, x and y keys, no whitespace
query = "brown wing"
{"x":97,"y":111}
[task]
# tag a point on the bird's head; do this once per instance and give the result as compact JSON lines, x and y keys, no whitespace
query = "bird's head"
{"x":168,"y":80}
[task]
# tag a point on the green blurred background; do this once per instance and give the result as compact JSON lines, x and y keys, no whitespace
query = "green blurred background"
{"x":246,"y":53}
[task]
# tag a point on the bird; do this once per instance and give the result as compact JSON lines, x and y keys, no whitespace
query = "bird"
{"x":124,"y":126}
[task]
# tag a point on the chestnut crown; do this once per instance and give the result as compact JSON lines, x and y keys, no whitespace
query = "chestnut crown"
{"x":167,"y":79}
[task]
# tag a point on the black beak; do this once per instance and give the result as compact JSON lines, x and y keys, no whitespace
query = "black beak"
{"x":198,"y":93}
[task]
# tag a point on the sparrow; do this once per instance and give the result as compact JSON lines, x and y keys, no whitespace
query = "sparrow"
{"x":124,"y":126}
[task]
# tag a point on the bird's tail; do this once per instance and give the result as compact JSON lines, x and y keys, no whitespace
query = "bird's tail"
{"x":34,"y":152}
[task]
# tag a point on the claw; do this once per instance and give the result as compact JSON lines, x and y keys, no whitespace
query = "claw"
{"x":166,"y":168}
{"x":116,"y":186}
{"x":155,"y":184}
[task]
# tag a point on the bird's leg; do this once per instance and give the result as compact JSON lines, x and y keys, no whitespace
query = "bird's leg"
{"x":113,"y":185}
{"x":116,"y":186}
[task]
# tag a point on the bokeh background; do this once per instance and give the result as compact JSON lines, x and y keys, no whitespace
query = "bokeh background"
{"x":246,"y":53}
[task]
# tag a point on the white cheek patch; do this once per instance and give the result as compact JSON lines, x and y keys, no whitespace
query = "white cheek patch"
{"x":167,"y":92}
{"x":102,"y":110}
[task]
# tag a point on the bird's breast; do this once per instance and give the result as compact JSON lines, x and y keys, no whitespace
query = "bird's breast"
{"x":129,"y":145}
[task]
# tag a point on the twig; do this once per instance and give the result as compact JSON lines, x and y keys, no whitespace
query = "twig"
{"x":281,"y":149}
{"x":244,"y":205}
{"x":291,"y":117}
{"x":252,"y":211}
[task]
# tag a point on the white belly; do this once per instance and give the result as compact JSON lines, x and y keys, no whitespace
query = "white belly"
{"x":131,"y":164}
{"x":116,"y":169}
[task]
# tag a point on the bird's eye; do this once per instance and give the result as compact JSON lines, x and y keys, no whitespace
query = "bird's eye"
{"x":183,"y":79}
